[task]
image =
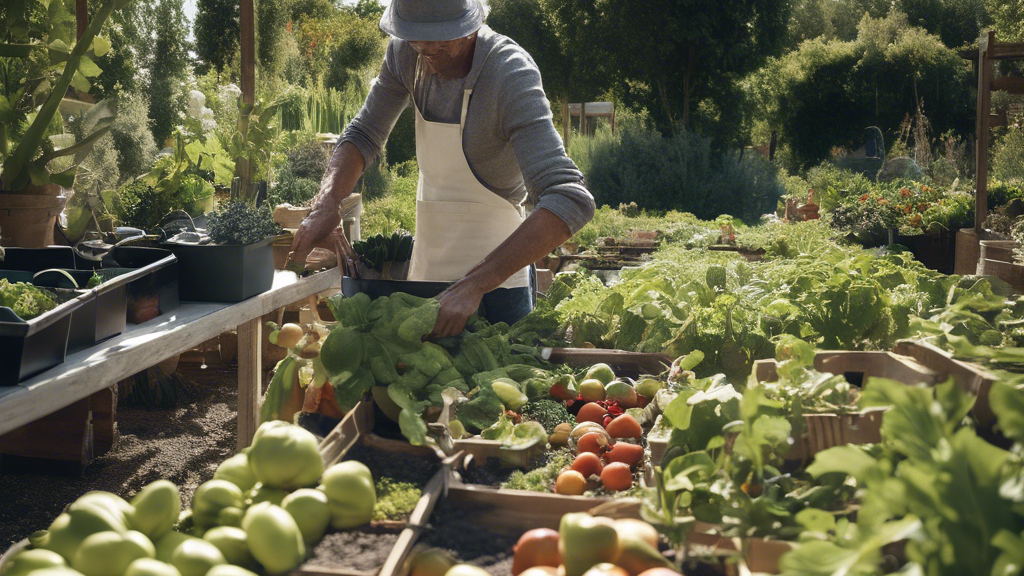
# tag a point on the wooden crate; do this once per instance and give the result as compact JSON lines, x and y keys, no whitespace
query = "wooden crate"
{"x":824,"y":431}
{"x":631,"y":364}
{"x":968,"y":376}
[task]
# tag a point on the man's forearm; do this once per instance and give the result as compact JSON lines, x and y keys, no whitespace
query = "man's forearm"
{"x":340,"y":178}
{"x":535,"y":238}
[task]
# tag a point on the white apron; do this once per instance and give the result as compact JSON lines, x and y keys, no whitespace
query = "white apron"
{"x":458,"y":220}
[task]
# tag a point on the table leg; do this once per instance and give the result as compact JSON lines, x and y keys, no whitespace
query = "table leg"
{"x":250,"y":379}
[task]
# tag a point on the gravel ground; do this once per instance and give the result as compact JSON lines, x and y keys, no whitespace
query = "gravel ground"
{"x":183,"y":445}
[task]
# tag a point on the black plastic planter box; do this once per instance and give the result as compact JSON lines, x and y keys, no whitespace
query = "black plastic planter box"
{"x":30,"y":347}
{"x":100,"y":317}
{"x":230,"y":273}
{"x":151,"y":275}
{"x":377,"y":288}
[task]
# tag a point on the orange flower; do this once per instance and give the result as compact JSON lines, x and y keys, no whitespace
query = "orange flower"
{"x":864,"y":198}
{"x":883,"y":201}
{"x":922,"y":207}
{"x":916,"y":221}
{"x":905,"y":192}
{"x":906,"y":209}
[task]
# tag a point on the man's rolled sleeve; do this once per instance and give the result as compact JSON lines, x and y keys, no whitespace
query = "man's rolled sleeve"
{"x":552,"y":179}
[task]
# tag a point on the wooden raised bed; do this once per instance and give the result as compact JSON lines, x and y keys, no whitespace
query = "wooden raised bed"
{"x":825,"y":431}
{"x":996,"y":259}
{"x":969,"y":377}
{"x":630,"y":364}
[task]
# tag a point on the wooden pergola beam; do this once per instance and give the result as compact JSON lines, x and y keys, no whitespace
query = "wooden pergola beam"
{"x":247,"y":25}
{"x":81,"y":16}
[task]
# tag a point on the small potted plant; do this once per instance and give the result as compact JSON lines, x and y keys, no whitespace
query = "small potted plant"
{"x":233,"y":260}
{"x":42,"y":61}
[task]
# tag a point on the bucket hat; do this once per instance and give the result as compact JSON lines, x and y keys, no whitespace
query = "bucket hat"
{"x":432,"y":20}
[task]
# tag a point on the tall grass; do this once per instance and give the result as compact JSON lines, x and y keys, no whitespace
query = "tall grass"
{"x":322,"y":109}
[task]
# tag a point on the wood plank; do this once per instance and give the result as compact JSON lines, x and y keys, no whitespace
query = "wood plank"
{"x":1009,"y":84}
{"x":104,"y":419}
{"x":1007,"y":50}
{"x":250,"y":379}
{"x":417,"y":520}
{"x":144,"y":345}
{"x":64,"y":435}
{"x":981,"y":133}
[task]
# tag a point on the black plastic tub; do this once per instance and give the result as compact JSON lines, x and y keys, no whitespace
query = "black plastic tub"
{"x":377,"y":288}
{"x":151,"y":275}
{"x":28,"y":347}
{"x":229,"y":273}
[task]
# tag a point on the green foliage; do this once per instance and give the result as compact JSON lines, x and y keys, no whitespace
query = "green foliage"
{"x":168,"y":93}
{"x":672,"y":227}
{"x":320,"y":109}
{"x":393,"y":211}
{"x":832,"y":185}
{"x":381,"y":250}
{"x":241,"y":223}
{"x":876,"y":80}
{"x":216,"y":32}
{"x":337,"y":46}
{"x":99,"y":169}
{"x":956,"y":22}
{"x":292,"y":190}
{"x":132,"y":137}
{"x":129,"y":48}
{"x":548,"y":413}
{"x":270,"y":25}
{"x":377,"y":180}
{"x":831,"y":20}
{"x":680,"y":172}
{"x":1007,"y":19}
{"x":1008,"y":154}
{"x":43,"y":61}
{"x":541,"y":479}
{"x":395,"y":500}
{"x":25,"y":300}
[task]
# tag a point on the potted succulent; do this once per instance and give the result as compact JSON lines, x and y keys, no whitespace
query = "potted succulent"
{"x":233,"y":260}
{"x":39,"y":61}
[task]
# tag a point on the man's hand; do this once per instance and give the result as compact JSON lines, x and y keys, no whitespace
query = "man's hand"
{"x":313,"y":232}
{"x":460,"y":301}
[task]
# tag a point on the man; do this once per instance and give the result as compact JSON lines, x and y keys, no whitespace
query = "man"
{"x":484,"y":143}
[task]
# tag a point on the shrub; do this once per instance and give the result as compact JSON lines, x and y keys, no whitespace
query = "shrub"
{"x":396,"y":210}
{"x":241,"y":223}
{"x":292,"y":189}
{"x":132,"y":137}
{"x":681,"y":172}
{"x":308,"y":158}
{"x":832,"y":184}
{"x":1008,"y":155}
{"x":377,"y":179}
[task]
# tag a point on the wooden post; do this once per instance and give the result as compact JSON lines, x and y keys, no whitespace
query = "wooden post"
{"x":982,"y":130}
{"x":583,"y":118}
{"x":613,"y":120}
{"x":250,"y":378}
{"x":247,"y":24}
{"x":566,"y":123}
{"x":81,"y":16}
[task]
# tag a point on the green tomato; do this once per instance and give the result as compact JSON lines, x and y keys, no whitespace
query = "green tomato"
{"x":261,"y":493}
{"x":166,"y":546}
{"x":274,"y":538}
{"x":350,"y":494}
{"x":195,"y":557}
{"x":237,"y":471}
{"x":231,"y":542}
{"x":602,"y":372}
{"x":110,"y":553}
{"x":586,"y":541}
{"x":310,"y":510}
{"x":155,"y":509}
{"x":210,"y":498}
{"x":26,"y":561}
{"x":150,"y":567}
{"x":72,"y":527}
{"x":229,"y":570}
{"x":466,"y":570}
{"x":285,"y":456}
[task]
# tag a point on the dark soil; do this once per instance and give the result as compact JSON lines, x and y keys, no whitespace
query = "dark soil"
{"x":401,"y":467}
{"x":183,"y":445}
{"x":363,"y":550}
{"x":450,"y":529}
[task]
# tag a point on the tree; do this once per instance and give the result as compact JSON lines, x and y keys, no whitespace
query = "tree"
{"x":1007,"y":19}
{"x":168,"y":70}
{"x":369,"y":10}
{"x":825,"y":93}
{"x":831,"y":19}
{"x":217,"y":33}
{"x":682,"y":60}
{"x":270,"y":24}
{"x":129,"y":50}
{"x":957,"y":22}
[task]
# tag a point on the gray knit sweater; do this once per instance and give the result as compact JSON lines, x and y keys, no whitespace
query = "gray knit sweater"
{"x":509,"y":140}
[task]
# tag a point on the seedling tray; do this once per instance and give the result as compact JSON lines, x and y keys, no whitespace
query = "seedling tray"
{"x":30,"y":347}
{"x":229,"y":274}
{"x":969,"y":377}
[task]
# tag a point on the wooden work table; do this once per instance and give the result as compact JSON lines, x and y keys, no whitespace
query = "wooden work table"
{"x":145,"y":345}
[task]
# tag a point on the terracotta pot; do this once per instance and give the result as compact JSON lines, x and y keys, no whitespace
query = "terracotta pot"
{"x":27,"y":220}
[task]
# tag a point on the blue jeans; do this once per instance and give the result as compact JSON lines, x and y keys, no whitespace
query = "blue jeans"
{"x":507,"y":305}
